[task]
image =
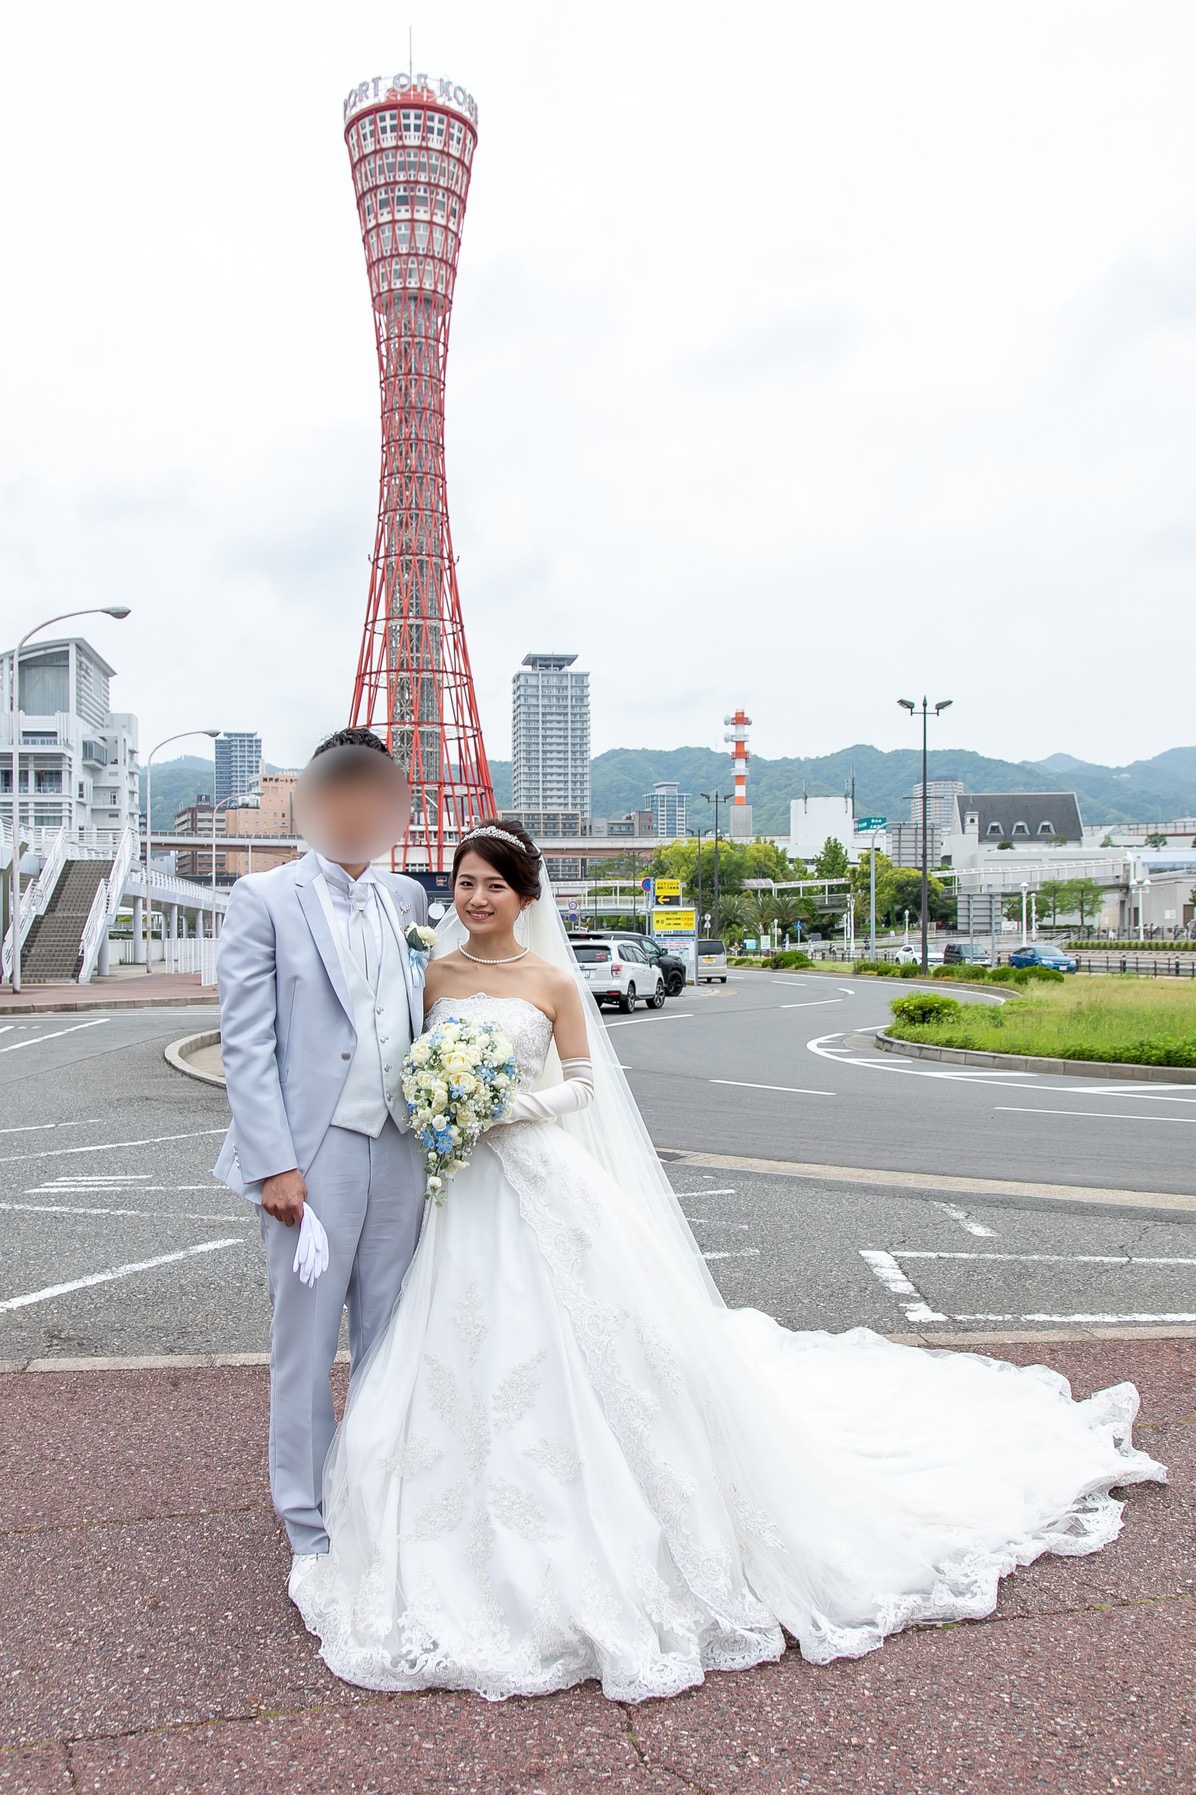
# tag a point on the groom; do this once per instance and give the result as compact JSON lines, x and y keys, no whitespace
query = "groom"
{"x":318,"y":1005}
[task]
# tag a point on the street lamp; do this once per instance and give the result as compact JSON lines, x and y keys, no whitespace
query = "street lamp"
{"x":1025,"y":894}
{"x":715,"y":798}
{"x":701,"y":835}
{"x":1141,"y":885}
{"x":149,"y":761}
{"x":233,"y":798}
{"x":119,"y":612}
{"x":909,"y":705}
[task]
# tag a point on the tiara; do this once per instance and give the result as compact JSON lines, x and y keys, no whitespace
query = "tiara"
{"x":502,"y":835}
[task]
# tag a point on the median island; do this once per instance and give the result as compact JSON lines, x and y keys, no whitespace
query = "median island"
{"x":1123,"y":1020}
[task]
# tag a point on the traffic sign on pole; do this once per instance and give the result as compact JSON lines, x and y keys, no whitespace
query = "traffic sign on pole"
{"x":870,"y":822}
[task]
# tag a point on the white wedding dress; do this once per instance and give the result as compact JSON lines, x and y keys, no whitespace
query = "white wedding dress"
{"x":566,"y":1459}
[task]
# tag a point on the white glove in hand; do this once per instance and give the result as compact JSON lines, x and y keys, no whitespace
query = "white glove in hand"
{"x":560,"y":1100}
{"x":311,"y":1255}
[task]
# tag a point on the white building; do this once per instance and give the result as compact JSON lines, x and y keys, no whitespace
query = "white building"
{"x":940,"y":802}
{"x":812,"y":820}
{"x":550,"y":735}
{"x":78,"y":758}
{"x":668,"y":806}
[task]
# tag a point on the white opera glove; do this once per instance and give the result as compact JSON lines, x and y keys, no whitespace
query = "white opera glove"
{"x":564,"y":1099}
{"x":311,"y":1255}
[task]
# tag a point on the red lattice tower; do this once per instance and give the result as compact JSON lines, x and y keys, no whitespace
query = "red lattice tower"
{"x":411,"y":144}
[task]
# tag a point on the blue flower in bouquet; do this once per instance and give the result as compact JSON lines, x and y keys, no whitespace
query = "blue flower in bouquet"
{"x":458,"y":1080}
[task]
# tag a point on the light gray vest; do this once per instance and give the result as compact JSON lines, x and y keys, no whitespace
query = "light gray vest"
{"x":382,"y":1019}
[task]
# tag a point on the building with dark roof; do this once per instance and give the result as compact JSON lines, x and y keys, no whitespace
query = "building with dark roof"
{"x":1019,"y":817}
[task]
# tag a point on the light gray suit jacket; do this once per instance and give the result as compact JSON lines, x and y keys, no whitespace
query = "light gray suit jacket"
{"x":286,"y":1028}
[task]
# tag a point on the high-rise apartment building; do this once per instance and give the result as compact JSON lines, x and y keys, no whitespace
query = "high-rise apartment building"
{"x":238,"y":763}
{"x":550,"y":734}
{"x":668,"y":807}
{"x":940,"y":802}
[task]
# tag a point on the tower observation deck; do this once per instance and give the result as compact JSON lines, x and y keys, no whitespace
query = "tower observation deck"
{"x":411,"y":143}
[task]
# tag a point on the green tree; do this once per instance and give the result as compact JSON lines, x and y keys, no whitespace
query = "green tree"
{"x":833,"y":861}
{"x":1155,"y":840}
{"x":1052,"y":893}
{"x":1086,"y":896}
{"x":901,"y":890}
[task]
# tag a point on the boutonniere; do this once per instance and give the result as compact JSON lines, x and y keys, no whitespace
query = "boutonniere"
{"x":419,"y":943}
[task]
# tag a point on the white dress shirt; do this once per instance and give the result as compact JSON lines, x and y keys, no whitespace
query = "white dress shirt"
{"x":342,"y":909}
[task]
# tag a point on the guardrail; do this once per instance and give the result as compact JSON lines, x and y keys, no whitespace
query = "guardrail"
{"x":1148,"y":965}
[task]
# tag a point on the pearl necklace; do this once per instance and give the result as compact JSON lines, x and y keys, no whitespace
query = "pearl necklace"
{"x":480,"y":960}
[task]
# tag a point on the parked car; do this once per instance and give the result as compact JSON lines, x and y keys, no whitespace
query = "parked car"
{"x":912,"y":956}
{"x":1040,"y":953}
{"x":712,"y":962}
{"x":966,"y":953}
{"x":620,"y":972}
{"x":671,"y":965}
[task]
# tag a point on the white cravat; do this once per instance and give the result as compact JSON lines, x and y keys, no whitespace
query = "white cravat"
{"x":340,"y":889}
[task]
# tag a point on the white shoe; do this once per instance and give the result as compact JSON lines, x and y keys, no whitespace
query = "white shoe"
{"x":302,"y":1565}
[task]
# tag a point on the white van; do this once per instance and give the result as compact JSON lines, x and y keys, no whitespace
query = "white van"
{"x":712,"y":961}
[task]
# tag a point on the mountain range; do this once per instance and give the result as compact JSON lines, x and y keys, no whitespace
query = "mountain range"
{"x":1145,"y":791}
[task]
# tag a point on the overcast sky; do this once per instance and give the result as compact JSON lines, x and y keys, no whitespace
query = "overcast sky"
{"x":803,"y":357}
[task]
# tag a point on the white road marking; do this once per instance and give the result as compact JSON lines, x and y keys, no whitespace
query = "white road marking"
{"x":850,"y":989}
{"x":895,"y":1281}
{"x":898,"y":1284}
{"x":99,"y":1187}
{"x":153,"y":1140}
{"x":117,"y":1271}
{"x":1052,"y":1258}
{"x":811,"y":1003}
{"x":964,"y":1219}
{"x":36,"y":1127}
{"x":1097,"y":1115}
{"x":677,"y":1016}
{"x":793,"y":1089}
{"x":170,"y":1215}
{"x":747,"y":1253}
{"x":703,"y":1193}
{"x":35,"y":1040}
{"x":6,"y":1028}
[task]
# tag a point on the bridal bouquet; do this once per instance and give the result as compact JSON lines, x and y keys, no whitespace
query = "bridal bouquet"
{"x":458,"y":1080}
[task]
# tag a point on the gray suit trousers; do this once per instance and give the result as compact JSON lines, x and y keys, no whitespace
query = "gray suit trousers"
{"x":369,"y":1196}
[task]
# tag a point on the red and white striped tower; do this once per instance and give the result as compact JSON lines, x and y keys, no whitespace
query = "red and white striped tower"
{"x":737,"y":735}
{"x":411,"y":143}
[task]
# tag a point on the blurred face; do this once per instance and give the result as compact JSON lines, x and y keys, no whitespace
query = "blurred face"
{"x":486,"y":904}
{"x":352,"y":805}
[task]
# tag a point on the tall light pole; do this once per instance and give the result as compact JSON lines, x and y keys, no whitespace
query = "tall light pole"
{"x":233,"y":798}
{"x":119,"y":612}
{"x":701,"y":835}
{"x":715,"y":798}
{"x":149,"y":826}
{"x":909,"y":705}
{"x":1025,"y":896}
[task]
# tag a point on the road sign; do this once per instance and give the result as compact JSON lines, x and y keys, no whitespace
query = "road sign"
{"x":871,"y":822}
{"x":645,"y":884}
{"x":668,"y":891}
{"x":674,"y":922}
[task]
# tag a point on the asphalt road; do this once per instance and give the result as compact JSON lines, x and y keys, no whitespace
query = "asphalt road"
{"x":948,"y":1201}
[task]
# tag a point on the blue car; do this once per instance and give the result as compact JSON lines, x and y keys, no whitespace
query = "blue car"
{"x":1036,"y":955}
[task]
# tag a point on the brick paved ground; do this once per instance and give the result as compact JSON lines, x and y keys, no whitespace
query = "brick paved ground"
{"x":148,"y":1644}
{"x":132,"y":987}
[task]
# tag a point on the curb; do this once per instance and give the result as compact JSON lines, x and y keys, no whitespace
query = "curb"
{"x":176,"y":1055}
{"x":961,"y":1342}
{"x":197,"y":999}
{"x":1029,"y":1062}
{"x":941,"y":1181}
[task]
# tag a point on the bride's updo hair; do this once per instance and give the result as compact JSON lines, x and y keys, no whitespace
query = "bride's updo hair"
{"x":508,"y":848}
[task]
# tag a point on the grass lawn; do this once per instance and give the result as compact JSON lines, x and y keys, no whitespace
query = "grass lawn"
{"x":1139,"y":1021}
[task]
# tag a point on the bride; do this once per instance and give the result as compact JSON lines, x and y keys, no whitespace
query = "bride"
{"x":566,"y":1458}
